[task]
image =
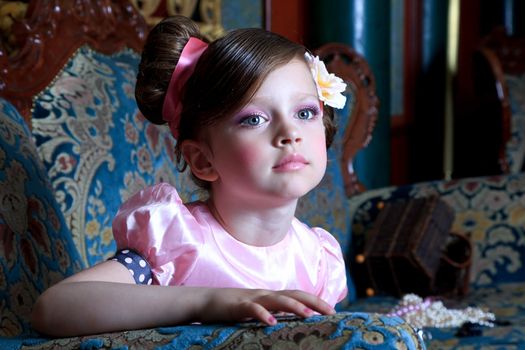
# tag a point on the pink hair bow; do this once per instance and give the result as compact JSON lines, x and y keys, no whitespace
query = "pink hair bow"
{"x":172,"y":106}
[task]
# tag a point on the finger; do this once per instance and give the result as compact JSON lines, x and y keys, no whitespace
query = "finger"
{"x":312,"y":301}
{"x":281,"y":302}
{"x":257,"y":311}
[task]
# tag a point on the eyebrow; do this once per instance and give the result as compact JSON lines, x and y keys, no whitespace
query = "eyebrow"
{"x":299,"y":96}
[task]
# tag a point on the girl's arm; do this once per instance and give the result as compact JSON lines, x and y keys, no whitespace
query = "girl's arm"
{"x":105,"y":298}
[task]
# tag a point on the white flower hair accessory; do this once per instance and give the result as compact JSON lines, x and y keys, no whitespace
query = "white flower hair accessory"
{"x":329,"y":86}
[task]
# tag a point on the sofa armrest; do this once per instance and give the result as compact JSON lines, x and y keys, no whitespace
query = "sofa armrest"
{"x":343,"y":330}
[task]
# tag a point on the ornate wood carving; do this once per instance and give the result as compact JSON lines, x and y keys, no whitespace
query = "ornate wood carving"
{"x":52,"y":31}
{"x":354,"y":70}
{"x":504,"y":55}
{"x":10,"y":12}
{"x":209,"y":13}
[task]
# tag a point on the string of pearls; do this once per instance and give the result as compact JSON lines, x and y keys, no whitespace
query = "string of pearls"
{"x":432,"y":313}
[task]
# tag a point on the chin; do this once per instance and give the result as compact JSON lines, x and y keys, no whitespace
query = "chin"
{"x":295,"y":192}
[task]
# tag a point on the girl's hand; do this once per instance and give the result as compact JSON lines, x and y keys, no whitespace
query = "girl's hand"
{"x":232,"y":304}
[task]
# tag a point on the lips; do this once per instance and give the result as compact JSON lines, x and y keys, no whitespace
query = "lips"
{"x":291,"y":162}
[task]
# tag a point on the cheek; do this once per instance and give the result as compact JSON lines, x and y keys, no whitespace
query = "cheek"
{"x":318,"y":149}
{"x":319,"y":144}
{"x":246,"y":156}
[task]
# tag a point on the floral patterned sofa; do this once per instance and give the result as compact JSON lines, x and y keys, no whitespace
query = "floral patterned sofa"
{"x":73,"y":146}
{"x":491,"y":212}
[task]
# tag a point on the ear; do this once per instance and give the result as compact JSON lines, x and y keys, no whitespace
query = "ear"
{"x":198,"y":156}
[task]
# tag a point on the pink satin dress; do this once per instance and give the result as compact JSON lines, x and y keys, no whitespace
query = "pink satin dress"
{"x":185,"y":246}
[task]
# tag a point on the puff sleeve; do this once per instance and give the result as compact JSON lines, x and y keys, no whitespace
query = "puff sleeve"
{"x":332,"y":269}
{"x":158,"y":226}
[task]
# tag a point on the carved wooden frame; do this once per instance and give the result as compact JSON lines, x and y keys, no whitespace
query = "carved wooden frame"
{"x":350,"y":66}
{"x":209,"y":10}
{"x":52,"y":31}
{"x":504,"y":55}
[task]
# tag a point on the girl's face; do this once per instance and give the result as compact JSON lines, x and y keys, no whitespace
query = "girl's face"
{"x":274,"y":150}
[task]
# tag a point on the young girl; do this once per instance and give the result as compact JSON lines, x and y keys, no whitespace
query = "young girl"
{"x":251,"y":116}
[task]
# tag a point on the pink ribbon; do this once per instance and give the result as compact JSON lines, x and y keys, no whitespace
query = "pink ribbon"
{"x":172,"y":106}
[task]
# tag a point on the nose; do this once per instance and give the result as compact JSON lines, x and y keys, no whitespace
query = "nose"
{"x":283,"y":141}
{"x":288,"y":135}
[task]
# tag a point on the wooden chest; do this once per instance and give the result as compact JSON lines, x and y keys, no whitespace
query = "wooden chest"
{"x":403,"y":249}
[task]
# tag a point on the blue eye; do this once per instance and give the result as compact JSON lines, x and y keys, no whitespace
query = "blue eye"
{"x":252,"y":120}
{"x":306,"y":113}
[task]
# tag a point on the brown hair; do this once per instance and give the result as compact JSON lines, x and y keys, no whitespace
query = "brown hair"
{"x":226,"y":76}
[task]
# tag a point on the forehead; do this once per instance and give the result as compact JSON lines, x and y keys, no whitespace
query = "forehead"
{"x":294,"y":75}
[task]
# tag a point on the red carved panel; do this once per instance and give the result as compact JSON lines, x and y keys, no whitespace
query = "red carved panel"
{"x":350,"y":66}
{"x":50,"y":34}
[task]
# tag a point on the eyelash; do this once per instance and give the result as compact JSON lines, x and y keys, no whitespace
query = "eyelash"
{"x":313,"y":110}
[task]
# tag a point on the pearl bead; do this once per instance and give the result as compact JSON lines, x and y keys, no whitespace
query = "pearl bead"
{"x":432,"y":313}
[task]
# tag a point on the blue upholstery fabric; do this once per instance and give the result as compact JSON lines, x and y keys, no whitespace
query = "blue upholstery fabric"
{"x":97,"y":148}
{"x":36,"y":249}
{"x":344,"y":330}
{"x":506,"y":301}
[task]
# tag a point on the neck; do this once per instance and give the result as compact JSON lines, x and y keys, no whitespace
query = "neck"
{"x":252,"y":223}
